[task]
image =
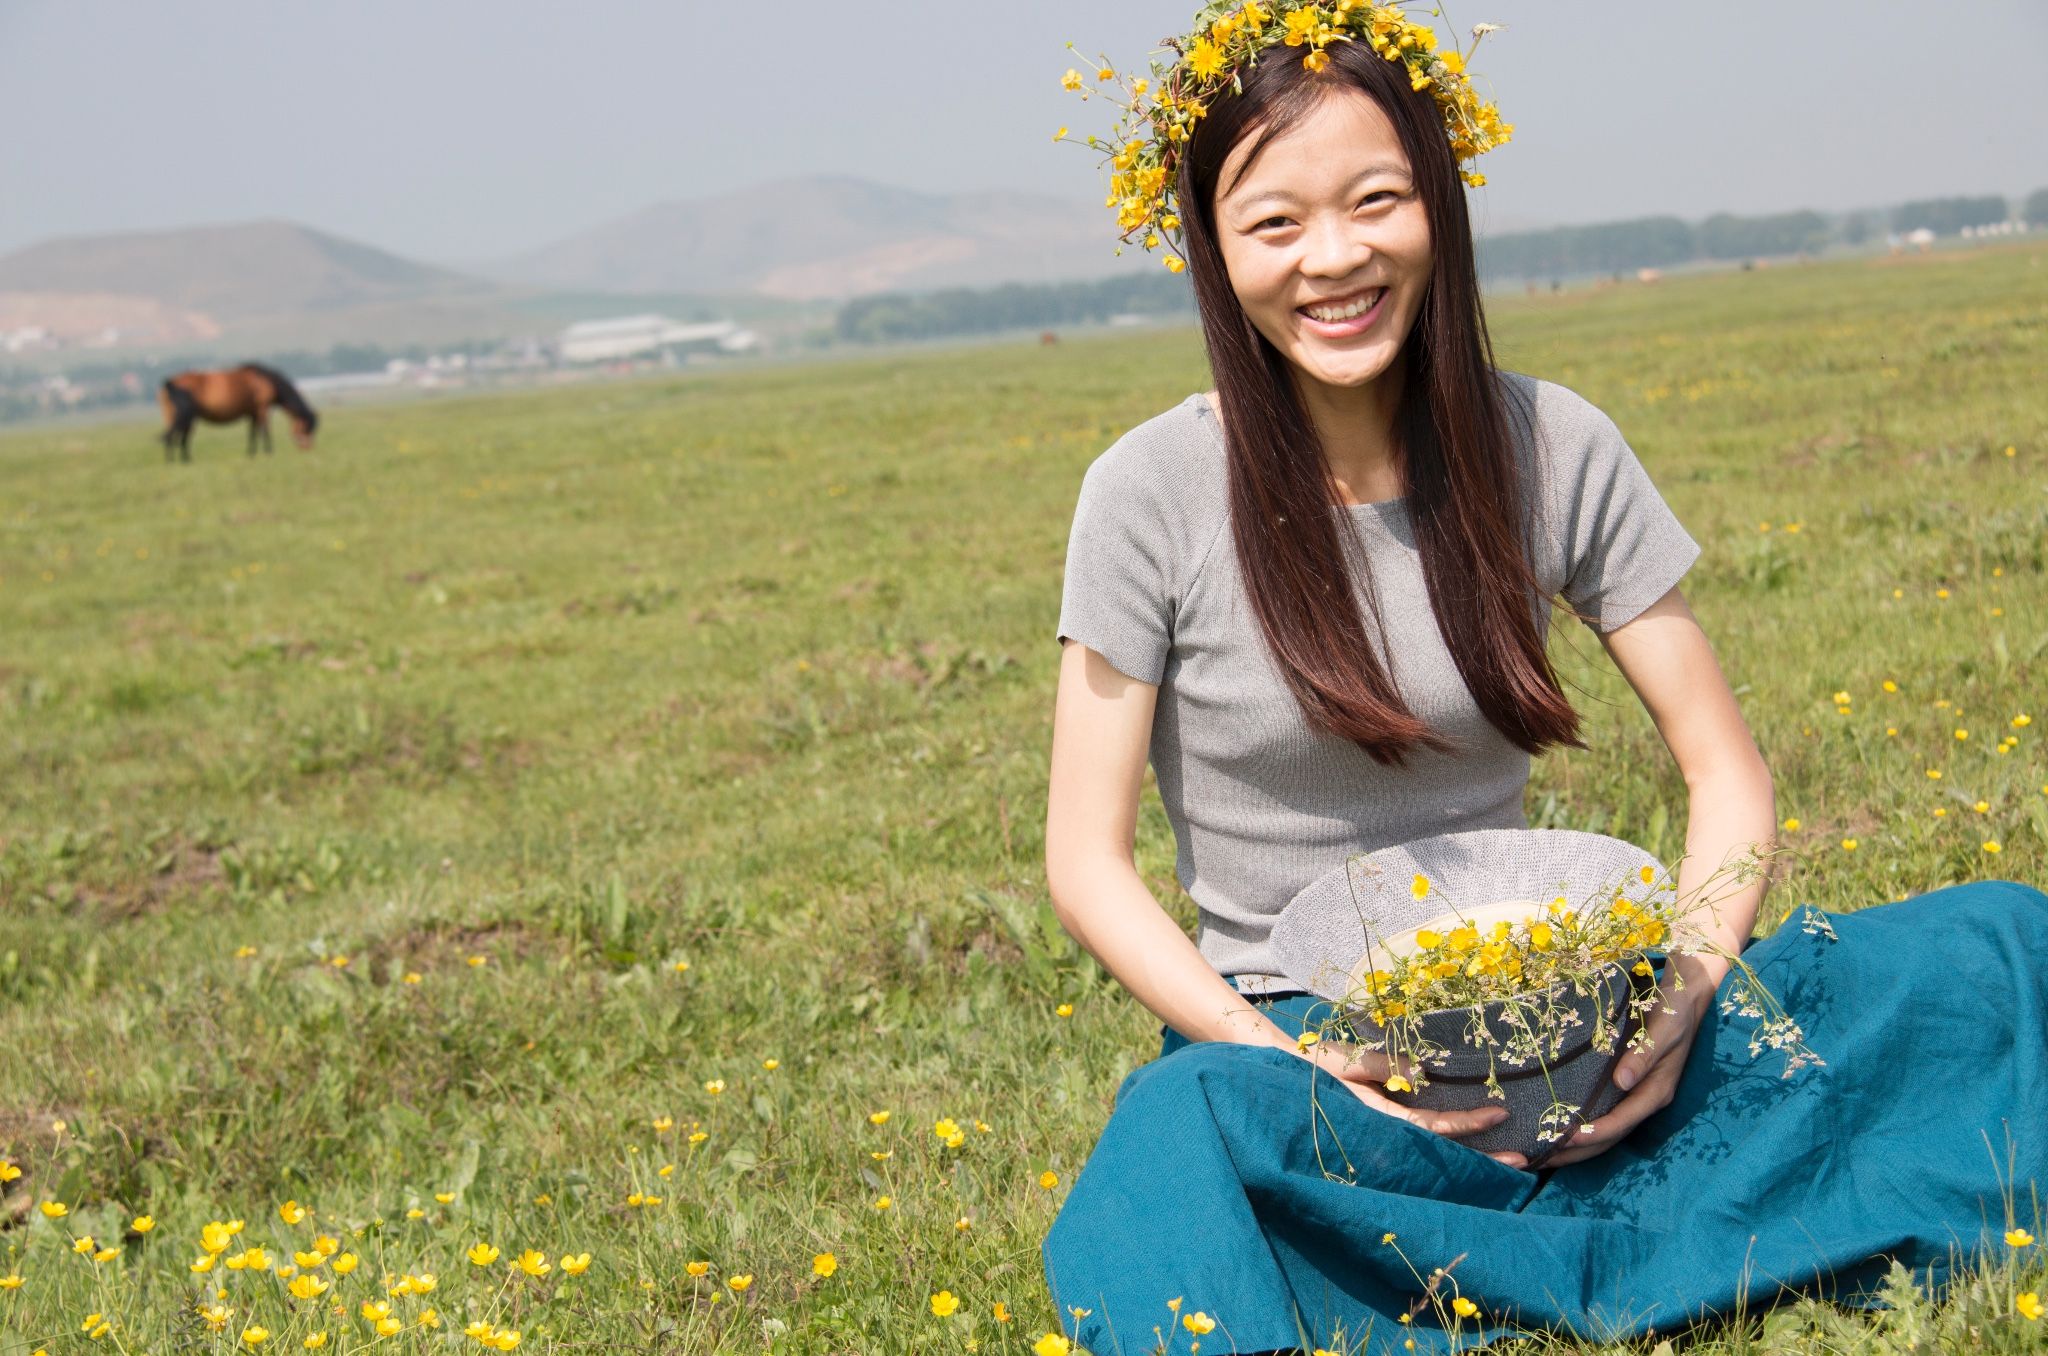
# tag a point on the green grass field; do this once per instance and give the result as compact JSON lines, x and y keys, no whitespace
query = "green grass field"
{"x":448,"y":830}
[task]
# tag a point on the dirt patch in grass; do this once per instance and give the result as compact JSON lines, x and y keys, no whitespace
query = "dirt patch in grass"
{"x":449,"y":946}
{"x":183,"y":871}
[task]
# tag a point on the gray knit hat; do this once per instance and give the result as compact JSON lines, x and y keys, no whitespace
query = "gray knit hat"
{"x":1322,"y":932}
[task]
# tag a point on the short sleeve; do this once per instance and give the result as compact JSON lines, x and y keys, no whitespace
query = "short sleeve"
{"x":1116,"y":597}
{"x":1623,"y":546}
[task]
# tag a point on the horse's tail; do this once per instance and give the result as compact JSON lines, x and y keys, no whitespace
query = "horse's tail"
{"x":179,"y":404}
{"x":287,"y":395}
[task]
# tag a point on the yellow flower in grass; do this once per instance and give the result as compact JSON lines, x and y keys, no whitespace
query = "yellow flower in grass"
{"x":740,"y":1283}
{"x":11,"y":1281}
{"x":291,"y":1212}
{"x":326,"y":1246}
{"x":534,"y":1263}
{"x":575,"y":1264}
{"x":215,"y":1316}
{"x":824,"y":1264}
{"x":1463,"y":1307}
{"x":202,"y":1263}
{"x":344,"y":1264}
{"x":878,"y":1118}
{"x":1052,"y":1344}
{"x":306,"y":1261}
{"x":54,"y":1209}
{"x":82,"y":1245}
{"x":308,"y":1287}
{"x":106,"y":1254}
{"x":1991,"y":845}
{"x":482,"y":1254}
{"x":1198,"y":1323}
{"x":1002,"y":1312}
{"x":696,"y":1268}
{"x":315,"y":1341}
{"x":506,"y":1340}
{"x":8,"y":1172}
{"x":945,"y":1304}
{"x":2027,"y":1304}
{"x":255,"y":1335}
{"x":2018,"y":1238}
{"x":142,"y":1224}
{"x":445,"y":1197}
{"x":1048,"y":1179}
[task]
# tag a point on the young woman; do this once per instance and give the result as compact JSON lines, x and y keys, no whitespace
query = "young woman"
{"x":1317,"y":598}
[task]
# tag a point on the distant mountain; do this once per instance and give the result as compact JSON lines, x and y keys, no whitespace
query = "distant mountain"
{"x":828,"y":238}
{"x":228,"y":275}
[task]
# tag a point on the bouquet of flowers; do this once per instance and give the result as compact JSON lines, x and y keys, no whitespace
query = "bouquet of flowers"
{"x":1533,"y":1001}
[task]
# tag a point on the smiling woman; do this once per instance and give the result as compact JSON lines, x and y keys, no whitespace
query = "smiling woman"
{"x":1318,"y":602}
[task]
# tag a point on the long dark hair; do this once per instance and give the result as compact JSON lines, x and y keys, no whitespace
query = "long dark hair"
{"x":1451,"y":427}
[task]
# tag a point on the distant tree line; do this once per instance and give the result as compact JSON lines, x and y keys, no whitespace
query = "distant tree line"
{"x":1659,"y":242}
{"x":975,"y":310}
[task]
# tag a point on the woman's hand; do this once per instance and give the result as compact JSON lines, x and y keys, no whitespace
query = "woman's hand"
{"x":1364,"y":1073}
{"x":1650,"y":1076}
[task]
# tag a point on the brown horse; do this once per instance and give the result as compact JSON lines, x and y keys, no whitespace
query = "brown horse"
{"x":245,"y":392}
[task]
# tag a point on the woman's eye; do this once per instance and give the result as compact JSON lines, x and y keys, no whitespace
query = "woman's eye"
{"x":1270,"y":221}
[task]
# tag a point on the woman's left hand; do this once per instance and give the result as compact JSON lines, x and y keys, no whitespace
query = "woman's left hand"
{"x":1650,"y":1076}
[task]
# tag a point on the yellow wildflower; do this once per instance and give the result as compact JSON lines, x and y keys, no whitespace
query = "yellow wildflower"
{"x":483,"y":1254}
{"x":2018,"y":1238}
{"x":1198,"y":1323}
{"x":1052,"y":1344}
{"x":575,"y":1264}
{"x":533,"y":1263}
{"x":291,"y":1212}
{"x":739,"y":1283}
{"x":696,"y":1268}
{"x":944,"y":1304}
{"x":824,"y":1264}
{"x":1048,"y":1179}
{"x":878,"y":1118}
{"x":2027,"y":1304}
{"x":142,"y":1224}
{"x":1463,"y":1307}
{"x":255,"y":1335}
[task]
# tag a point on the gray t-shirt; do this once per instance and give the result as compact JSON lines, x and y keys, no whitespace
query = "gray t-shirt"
{"x":1260,"y":803}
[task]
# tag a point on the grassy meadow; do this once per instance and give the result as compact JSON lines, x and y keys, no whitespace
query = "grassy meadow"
{"x":609,"y":820}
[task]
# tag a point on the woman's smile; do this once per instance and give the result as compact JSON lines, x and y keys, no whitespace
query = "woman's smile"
{"x":1345,"y":316}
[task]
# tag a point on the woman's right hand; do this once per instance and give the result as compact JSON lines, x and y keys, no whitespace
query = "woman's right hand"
{"x":1364,"y":1073}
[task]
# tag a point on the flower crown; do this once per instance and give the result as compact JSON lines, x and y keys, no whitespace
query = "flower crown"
{"x":1229,"y":35}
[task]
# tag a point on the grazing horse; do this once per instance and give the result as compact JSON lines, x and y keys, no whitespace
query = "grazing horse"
{"x":245,"y":392}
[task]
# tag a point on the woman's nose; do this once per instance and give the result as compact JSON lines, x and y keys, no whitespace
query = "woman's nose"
{"x":1333,"y":249}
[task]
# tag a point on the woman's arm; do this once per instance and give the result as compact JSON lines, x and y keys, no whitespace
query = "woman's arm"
{"x":1731,"y":813}
{"x":1102,"y":724}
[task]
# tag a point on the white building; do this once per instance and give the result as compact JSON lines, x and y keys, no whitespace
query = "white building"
{"x":596,"y":341}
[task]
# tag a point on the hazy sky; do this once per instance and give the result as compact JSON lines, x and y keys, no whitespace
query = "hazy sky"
{"x":461,"y":130}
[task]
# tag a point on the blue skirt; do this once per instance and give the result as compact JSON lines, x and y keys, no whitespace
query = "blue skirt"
{"x":1256,"y":1191}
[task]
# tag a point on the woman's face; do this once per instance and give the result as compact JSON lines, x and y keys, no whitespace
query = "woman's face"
{"x":1327,"y":241}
